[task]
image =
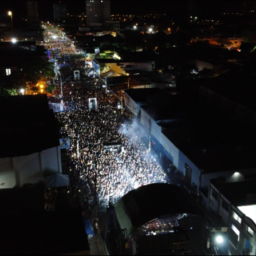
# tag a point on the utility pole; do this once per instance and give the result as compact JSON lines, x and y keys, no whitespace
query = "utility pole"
{"x":61,"y":86}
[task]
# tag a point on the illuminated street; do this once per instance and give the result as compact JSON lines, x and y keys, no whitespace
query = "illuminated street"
{"x":93,"y":171}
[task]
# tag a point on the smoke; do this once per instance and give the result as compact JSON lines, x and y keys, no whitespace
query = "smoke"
{"x":132,"y":130}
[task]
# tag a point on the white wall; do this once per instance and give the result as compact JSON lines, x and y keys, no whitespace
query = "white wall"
{"x":156,"y":130}
{"x":131,"y":105}
{"x":28,"y":169}
{"x":50,"y":160}
{"x":145,"y":120}
{"x":7,"y":174}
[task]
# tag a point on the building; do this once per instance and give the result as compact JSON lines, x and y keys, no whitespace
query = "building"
{"x":236,"y":204}
{"x":162,"y":218}
{"x":114,"y":25}
{"x":97,"y":12}
{"x":32,"y":11}
{"x":248,"y":7}
{"x":29,"y":141}
{"x":60,"y":11}
{"x":30,"y":230}
{"x":195,"y":137}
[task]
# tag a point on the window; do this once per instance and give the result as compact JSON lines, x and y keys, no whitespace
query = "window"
{"x":237,"y":232}
{"x":237,"y":218}
{"x":250,"y":231}
{"x":215,"y":194}
{"x":225,"y":205}
{"x":8,"y":71}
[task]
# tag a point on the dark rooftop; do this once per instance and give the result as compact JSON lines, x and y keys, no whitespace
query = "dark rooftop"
{"x":212,"y":141}
{"x":237,"y":86}
{"x":238,"y":193}
{"x":27,"y":229}
{"x":28,"y":125}
{"x":215,"y":146}
{"x":142,"y":95}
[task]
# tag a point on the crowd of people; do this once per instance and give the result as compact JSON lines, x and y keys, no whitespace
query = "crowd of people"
{"x":95,"y":171}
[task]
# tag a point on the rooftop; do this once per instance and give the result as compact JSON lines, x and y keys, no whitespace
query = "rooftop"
{"x":212,"y":141}
{"x":152,"y":201}
{"x":229,"y":85}
{"x":28,"y":230}
{"x":238,"y":193}
{"x":215,"y":147}
{"x":28,"y":125}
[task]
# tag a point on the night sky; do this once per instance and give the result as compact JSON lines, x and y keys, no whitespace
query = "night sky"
{"x":120,"y":6}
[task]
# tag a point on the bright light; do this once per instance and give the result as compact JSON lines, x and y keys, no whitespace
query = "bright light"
{"x":219,"y":239}
{"x":10,"y":13}
{"x":150,"y":29}
{"x":135,"y":27}
{"x":54,"y":37}
{"x":41,"y":86}
{"x":22,"y":91}
{"x":116,"y":56}
{"x":249,"y":211}
{"x":14,"y":40}
{"x":236,"y":173}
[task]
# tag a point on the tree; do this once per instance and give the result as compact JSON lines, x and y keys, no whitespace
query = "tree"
{"x":249,"y":35}
{"x":51,"y":88}
{"x":7,"y":92}
{"x":36,"y":69}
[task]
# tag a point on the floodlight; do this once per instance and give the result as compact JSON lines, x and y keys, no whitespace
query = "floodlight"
{"x":14,"y":40}
{"x":219,"y":239}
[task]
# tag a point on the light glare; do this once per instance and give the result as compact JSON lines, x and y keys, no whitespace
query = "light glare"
{"x":219,"y":239}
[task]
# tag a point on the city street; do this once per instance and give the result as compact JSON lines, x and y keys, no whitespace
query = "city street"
{"x":98,"y":175}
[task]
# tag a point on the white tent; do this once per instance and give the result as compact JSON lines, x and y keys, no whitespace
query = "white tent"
{"x":57,"y":180}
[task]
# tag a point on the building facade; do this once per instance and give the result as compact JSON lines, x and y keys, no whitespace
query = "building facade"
{"x":60,"y":11}
{"x":32,"y":11}
{"x":97,"y":12}
{"x":240,"y":220}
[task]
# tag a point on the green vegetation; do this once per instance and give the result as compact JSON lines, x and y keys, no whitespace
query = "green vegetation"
{"x":51,"y":88}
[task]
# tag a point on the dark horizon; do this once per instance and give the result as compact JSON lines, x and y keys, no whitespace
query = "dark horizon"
{"x":175,"y":8}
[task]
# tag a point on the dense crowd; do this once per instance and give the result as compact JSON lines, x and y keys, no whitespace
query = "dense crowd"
{"x":93,"y":170}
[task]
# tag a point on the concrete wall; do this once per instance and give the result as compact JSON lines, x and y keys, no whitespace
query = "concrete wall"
{"x":145,"y":121}
{"x":131,"y":105}
{"x":7,"y":174}
{"x":29,"y":169}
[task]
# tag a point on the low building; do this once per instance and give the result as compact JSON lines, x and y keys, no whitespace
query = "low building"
{"x":29,"y":141}
{"x":28,"y":229}
{"x":236,"y":204}
{"x":197,"y":139}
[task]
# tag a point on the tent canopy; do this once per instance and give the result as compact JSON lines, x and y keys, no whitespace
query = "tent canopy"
{"x":57,"y":180}
{"x":150,"y":202}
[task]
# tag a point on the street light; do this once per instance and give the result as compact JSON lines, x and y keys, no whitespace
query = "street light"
{"x":14,"y":40}
{"x":11,"y":14}
{"x":219,"y":239}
